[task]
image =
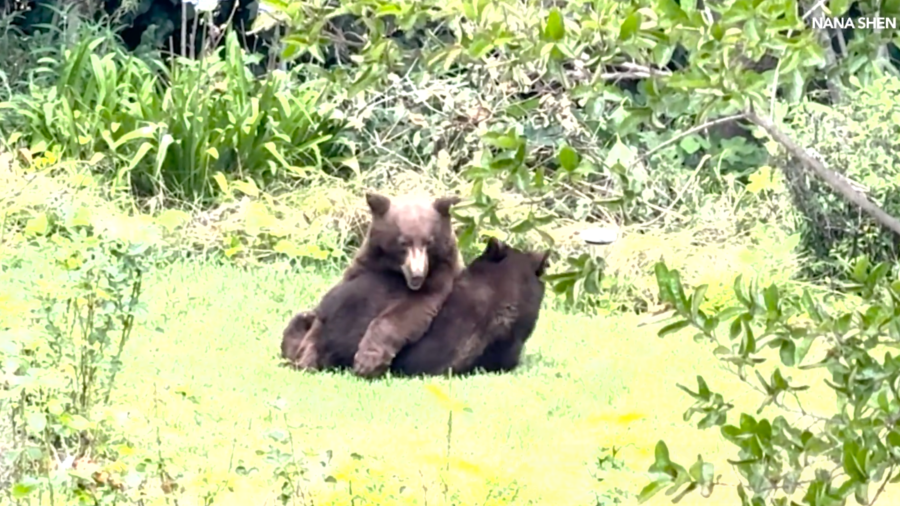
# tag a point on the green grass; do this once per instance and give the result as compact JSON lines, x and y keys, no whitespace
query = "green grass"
{"x":214,"y":331}
{"x":201,"y":375}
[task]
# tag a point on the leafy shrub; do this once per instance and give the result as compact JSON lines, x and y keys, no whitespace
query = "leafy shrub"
{"x":860,"y":139}
{"x":168,"y":131}
{"x":799,"y":456}
{"x":85,"y":300}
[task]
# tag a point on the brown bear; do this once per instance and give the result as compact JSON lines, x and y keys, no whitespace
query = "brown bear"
{"x":407,"y":263}
{"x":491,"y":312}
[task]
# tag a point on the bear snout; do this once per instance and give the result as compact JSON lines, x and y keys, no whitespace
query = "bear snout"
{"x":415,"y":268}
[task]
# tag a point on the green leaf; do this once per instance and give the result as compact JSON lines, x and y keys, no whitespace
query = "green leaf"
{"x":734,"y":329}
{"x":689,"y":144}
{"x":479,"y":47}
{"x":748,"y":344}
{"x":652,"y":489}
{"x":770,"y":295}
{"x":220,"y":180}
{"x":850,"y":464}
{"x":523,"y":226}
{"x":521,"y":109}
{"x":677,"y":291}
{"x":662,"y":280}
{"x":661,"y":456}
{"x":702,"y":387}
{"x":501,"y":140}
{"x":37,"y":225}
{"x":739,"y":290}
{"x":76,"y":422}
{"x":860,"y":270}
{"x":555,"y":28}
{"x":787,"y":351}
{"x":842,"y":324}
{"x":630,"y":26}
{"x":22,"y":490}
{"x":816,"y":446}
{"x":672,"y":328}
{"x":877,"y":274}
{"x":162,"y":150}
{"x":568,"y":158}
{"x":778,"y":380}
{"x":136,"y":159}
{"x":81,"y":218}
{"x":140,"y":133}
{"x":697,"y":299}
{"x":861,"y":493}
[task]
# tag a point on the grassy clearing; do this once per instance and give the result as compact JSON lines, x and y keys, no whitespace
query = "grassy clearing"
{"x":542,"y":427}
{"x":202,"y":371}
{"x":200,"y":385}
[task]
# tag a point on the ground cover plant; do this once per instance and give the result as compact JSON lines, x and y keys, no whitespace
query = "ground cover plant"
{"x":178,"y":178}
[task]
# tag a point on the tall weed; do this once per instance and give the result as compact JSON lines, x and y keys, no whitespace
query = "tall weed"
{"x":90,"y":107}
{"x":61,"y":348}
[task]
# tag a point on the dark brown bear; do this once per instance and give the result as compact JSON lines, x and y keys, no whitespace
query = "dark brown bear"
{"x":407,"y":263}
{"x":486,"y":320}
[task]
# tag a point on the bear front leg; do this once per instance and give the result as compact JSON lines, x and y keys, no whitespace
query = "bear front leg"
{"x":393,"y":329}
{"x":402,"y":323}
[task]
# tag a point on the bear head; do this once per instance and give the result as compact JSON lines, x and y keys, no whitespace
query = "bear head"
{"x":496,"y":251}
{"x":411,"y":234}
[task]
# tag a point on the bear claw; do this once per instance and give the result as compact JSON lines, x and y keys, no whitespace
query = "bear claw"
{"x":370,"y":364}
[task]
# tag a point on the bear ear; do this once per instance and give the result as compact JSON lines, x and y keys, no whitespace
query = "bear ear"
{"x":542,"y":261}
{"x":378,"y":204}
{"x":443,"y":205}
{"x":495,"y":250}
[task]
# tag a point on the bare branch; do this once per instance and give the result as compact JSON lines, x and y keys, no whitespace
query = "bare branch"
{"x":684,"y":134}
{"x":884,"y":483}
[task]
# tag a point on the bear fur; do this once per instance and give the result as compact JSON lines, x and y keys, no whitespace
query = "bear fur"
{"x":394,"y":287}
{"x":492,"y":310}
{"x":294,"y":333}
{"x":343,"y":316}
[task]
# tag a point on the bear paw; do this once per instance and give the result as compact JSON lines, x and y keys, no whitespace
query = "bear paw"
{"x":371,"y":363}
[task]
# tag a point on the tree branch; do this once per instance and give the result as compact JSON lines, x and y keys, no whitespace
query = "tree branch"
{"x":830,"y":177}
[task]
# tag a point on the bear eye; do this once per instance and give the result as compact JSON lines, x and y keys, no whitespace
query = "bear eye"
{"x":403,"y":242}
